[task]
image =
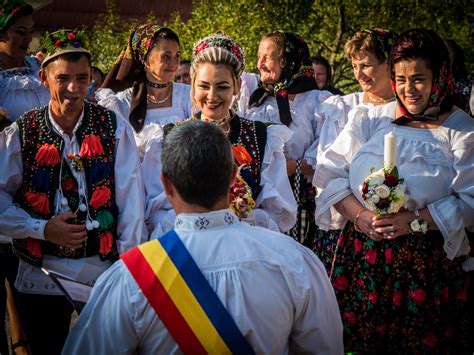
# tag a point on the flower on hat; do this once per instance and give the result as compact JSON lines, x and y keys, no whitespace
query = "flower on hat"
{"x":58,"y":43}
{"x":71,"y":36}
{"x":40,"y":55}
{"x":76,"y":44}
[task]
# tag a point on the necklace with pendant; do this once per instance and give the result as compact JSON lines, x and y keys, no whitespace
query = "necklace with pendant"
{"x":155,"y":85}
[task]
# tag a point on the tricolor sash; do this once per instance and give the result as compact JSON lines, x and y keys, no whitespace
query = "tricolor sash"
{"x":183,"y":299}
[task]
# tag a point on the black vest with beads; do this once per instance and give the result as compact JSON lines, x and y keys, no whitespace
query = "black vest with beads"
{"x":45,"y":170}
{"x":252,"y":135}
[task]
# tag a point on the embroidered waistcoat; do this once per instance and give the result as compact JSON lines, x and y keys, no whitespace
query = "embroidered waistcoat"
{"x":43,"y":175}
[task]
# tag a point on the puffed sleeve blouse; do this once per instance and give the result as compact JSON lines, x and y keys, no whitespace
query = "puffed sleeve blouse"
{"x":156,"y":118}
{"x":21,"y":89}
{"x":306,"y":122}
{"x":437,"y":165}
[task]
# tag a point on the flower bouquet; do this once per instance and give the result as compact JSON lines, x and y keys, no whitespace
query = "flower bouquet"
{"x":240,"y":197}
{"x":383,"y":190}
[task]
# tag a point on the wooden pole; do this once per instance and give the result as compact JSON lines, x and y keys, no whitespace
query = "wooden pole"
{"x":16,"y":334}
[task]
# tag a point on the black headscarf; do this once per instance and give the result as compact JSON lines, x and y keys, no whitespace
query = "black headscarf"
{"x":297,"y":76}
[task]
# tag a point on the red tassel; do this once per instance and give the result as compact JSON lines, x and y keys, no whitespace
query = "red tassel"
{"x":100,"y":196}
{"x":34,"y":246}
{"x":91,"y":147}
{"x":106,"y":240}
{"x":47,"y":155}
{"x":39,"y":202}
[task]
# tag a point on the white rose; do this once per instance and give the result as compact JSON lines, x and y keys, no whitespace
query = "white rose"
{"x":375,"y":181}
{"x":383,"y":191}
{"x":375,"y":198}
{"x":370,"y":205}
{"x":415,"y":226}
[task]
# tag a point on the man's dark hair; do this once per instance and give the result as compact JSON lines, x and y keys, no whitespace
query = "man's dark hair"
{"x":197,"y":158}
{"x":70,"y":57}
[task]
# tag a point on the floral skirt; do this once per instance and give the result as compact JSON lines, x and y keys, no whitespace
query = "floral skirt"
{"x":401,"y":296}
{"x":324,"y":245}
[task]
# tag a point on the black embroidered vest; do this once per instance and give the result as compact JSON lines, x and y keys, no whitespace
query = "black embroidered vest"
{"x":252,"y":135}
{"x":42,"y":178}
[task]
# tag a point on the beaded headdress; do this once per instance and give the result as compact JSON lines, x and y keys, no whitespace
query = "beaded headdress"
{"x":62,"y":42}
{"x":8,"y":9}
{"x":220,"y":40}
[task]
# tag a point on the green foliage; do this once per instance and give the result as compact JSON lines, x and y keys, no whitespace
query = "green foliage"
{"x":326,"y":26}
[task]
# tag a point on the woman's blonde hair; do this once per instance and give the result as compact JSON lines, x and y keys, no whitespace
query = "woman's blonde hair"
{"x":215,"y":56}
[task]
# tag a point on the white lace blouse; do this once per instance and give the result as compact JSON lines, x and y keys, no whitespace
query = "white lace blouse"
{"x":156,"y":118}
{"x":21,"y":89}
{"x":306,"y":122}
{"x":437,"y":165}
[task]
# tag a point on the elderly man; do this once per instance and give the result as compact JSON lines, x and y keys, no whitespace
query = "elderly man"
{"x":71,"y":194}
{"x":213,"y":284}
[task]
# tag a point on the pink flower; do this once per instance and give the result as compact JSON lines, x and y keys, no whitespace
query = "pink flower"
{"x":418,"y":295}
{"x":58,"y":43}
{"x":283,"y":93}
{"x":371,"y":256}
{"x":71,"y":36}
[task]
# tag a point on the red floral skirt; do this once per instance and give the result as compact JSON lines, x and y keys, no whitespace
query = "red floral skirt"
{"x":401,"y":296}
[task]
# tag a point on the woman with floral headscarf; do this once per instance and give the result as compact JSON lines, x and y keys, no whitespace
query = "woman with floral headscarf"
{"x":369,"y":52}
{"x":288,"y":95}
{"x":145,"y":71}
{"x":399,"y":277}
{"x":261,"y":195}
{"x":20,"y":88}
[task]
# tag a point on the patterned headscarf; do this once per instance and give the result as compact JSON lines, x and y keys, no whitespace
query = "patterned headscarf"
{"x":409,"y":46}
{"x":129,"y":70}
{"x":384,"y":40}
{"x":297,"y":76}
{"x":8,"y":9}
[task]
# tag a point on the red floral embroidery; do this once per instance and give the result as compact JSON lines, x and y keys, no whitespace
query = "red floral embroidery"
{"x":69,"y":185}
{"x":374,"y":297}
{"x":39,"y":202}
{"x":350,"y":317}
{"x":100,"y":196}
{"x":340,"y":283}
{"x":388,"y":255}
{"x":397,"y":298}
{"x":371,"y":256}
{"x":430,"y":340}
{"x":106,"y":240}
{"x":418,"y":296}
{"x":357,"y":245}
{"x":241,"y":155}
{"x":47,"y":155}
{"x":91,"y":147}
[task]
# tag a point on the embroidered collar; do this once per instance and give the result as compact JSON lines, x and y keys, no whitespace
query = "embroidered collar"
{"x":205,"y":221}
{"x":58,"y":128}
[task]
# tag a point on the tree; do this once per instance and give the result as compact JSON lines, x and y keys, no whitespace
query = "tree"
{"x":326,"y":25}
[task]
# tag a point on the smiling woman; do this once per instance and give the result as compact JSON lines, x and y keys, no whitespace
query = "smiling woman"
{"x":141,"y":86}
{"x":402,"y":275}
{"x":21,"y":88}
{"x":216,"y":69}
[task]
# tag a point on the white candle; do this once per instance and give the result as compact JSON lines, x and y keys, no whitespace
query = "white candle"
{"x":390,"y":150}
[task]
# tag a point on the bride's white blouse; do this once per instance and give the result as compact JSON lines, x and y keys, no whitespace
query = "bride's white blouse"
{"x":437,"y":165}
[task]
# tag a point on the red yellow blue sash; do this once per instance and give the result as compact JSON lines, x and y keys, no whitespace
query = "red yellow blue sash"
{"x":183,"y":299}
